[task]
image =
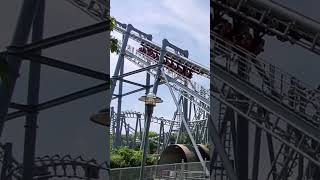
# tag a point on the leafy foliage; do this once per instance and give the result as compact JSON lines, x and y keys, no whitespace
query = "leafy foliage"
{"x":152,"y":134}
{"x":152,"y":144}
{"x":126,"y":157}
{"x":152,"y":159}
{"x":184,"y":138}
{"x":114,"y":45}
{"x":112,"y":23}
{"x":113,"y":41}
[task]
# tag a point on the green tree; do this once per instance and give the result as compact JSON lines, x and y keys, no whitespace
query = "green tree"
{"x":113,"y":41}
{"x":126,"y":157}
{"x":184,"y":138}
{"x":153,"y":144}
{"x":152,"y":134}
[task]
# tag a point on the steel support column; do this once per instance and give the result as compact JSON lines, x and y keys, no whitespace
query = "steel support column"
{"x":20,"y":38}
{"x":256,"y":154}
{"x":184,"y":121}
{"x":33,"y":98}
{"x":145,"y":116}
{"x":149,"y":110}
{"x":136,"y":131}
{"x":117,"y":141}
{"x":242,"y":144}
{"x":119,"y":62}
{"x":165,"y":43}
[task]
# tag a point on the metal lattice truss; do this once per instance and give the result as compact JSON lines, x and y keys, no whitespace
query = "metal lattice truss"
{"x":62,"y":166}
{"x":56,"y":166}
{"x":286,"y":109}
{"x":277,"y":20}
{"x":186,"y":88}
{"x":197,"y":127}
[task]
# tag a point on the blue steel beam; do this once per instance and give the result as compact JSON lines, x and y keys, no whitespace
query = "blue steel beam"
{"x":20,"y":38}
{"x":62,"y":38}
{"x":62,"y":100}
{"x":65,"y":66}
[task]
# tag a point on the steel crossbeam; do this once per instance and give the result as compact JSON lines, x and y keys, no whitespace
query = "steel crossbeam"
{"x":276,"y":113}
{"x":154,"y":119}
{"x":139,"y":37}
{"x":201,"y":96}
{"x":291,"y":110}
{"x":61,"y":38}
{"x":66,"y":66}
{"x":61,"y":100}
{"x":276,"y":19}
{"x":271,"y":80}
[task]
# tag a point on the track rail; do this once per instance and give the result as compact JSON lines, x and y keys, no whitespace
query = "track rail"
{"x":279,"y":114}
{"x":277,"y":19}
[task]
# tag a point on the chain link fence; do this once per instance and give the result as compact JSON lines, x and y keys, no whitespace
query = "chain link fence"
{"x":192,"y":170}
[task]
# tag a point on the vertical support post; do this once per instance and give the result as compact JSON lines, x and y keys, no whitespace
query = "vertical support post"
{"x":186,"y":126}
{"x":179,"y":133}
{"x":120,"y":61}
{"x":185,"y":109}
{"x":182,"y":170}
{"x":118,"y":132}
{"x":160,"y":137}
{"x":136,"y":130}
{"x":108,"y":153}
{"x":7,"y":160}
{"x":145,"y":117}
{"x":20,"y":38}
{"x":33,"y":98}
{"x":214,"y":137}
{"x":107,"y":11}
{"x":149,"y":109}
{"x":113,"y":126}
{"x":119,"y":66}
{"x":140,"y":130}
{"x":242,"y":147}
{"x":300,"y":168}
{"x":256,"y":155}
{"x":271,"y":154}
{"x":171,"y":126}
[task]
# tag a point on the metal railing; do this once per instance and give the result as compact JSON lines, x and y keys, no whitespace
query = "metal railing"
{"x":191,"y":170}
{"x":271,"y":80}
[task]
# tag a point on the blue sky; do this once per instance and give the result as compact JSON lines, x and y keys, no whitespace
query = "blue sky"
{"x":185,"y":23}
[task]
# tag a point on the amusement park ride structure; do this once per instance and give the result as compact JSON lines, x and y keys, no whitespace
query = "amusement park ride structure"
{"x":168,"y":64}
{"x":244,"y":88}
{"x":249,"y":89}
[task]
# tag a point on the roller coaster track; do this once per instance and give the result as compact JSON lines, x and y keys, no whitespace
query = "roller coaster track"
{"x":192,"y":91}
{"x":276,"y":19}
{"x":271,"y":94}
{"x":49,"y":166}
{"x":154,"y":119}
{"x":64,"y":166}
{"x":292,"y":107}
{"x":197,"y":126}
{"x":268,"y":88}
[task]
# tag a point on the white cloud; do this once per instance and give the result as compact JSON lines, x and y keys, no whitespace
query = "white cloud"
{"x":191,"y":17}
{"x":186,"y":18}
